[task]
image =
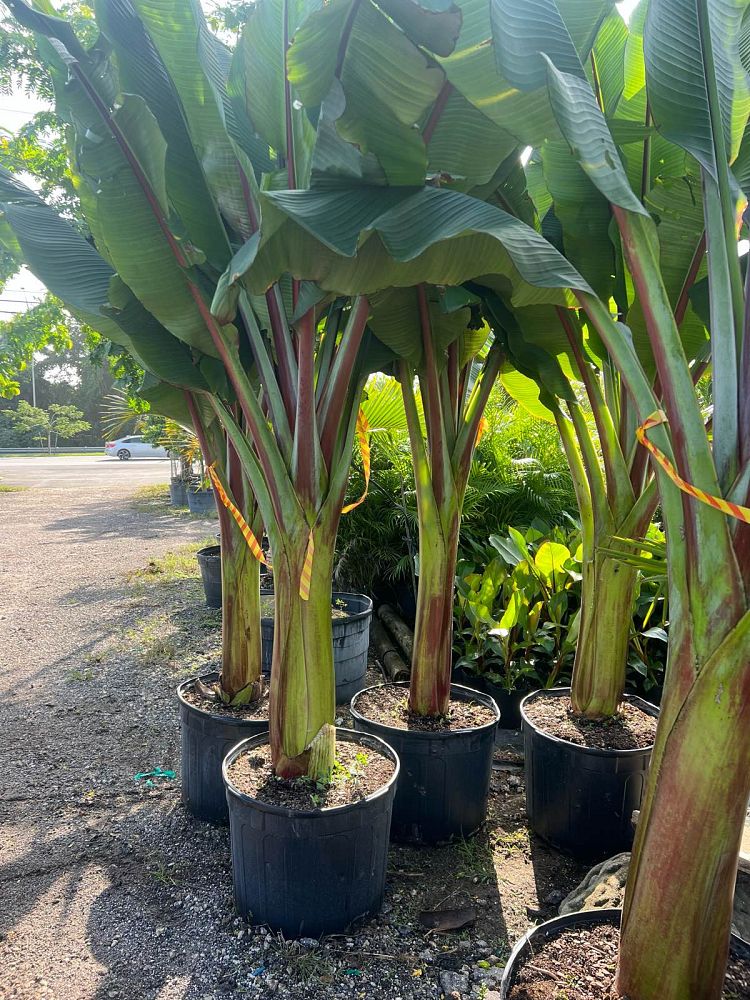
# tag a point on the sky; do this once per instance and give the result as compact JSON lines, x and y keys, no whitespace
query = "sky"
{"x":16,"y":109}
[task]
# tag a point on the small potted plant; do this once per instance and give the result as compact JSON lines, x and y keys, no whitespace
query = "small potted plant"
{"x":351,"y":615}
{"x":200,"y":494}
{"x":515,"y":618}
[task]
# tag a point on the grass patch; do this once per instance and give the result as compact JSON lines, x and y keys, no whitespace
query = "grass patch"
{"x":511,"y":842}
{"x":303,"y":965}
{"x":156,"y":500}
{"x":155,"y":638}
{"x":75,"y":676}
{"x":175,"y":630}
{"x":475,"y":860}
{"x":6,"y":488}
{"x":181,"y":564}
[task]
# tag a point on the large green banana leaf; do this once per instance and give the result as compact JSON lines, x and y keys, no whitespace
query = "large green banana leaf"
{"x":69,"y":266}
{"x":387,"y":81}
{"x":363,"y":240}
{"x":141,"y":71}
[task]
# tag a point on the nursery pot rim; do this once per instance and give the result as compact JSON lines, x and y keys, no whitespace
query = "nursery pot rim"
{"x":210,"y":552}
{"x":606,"y":915}
{"x":355,"y":617}
{"x":560,"y":692}
{"x":597,"y":916}
{"x":464,"y":694}
{"x":212,"y":675}
{"x":269,"y":807}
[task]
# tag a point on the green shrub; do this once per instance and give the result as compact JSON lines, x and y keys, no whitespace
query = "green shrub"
{"x":516,"y":614}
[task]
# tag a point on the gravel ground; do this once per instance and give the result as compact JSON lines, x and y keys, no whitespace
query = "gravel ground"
{"x":109,"y":889}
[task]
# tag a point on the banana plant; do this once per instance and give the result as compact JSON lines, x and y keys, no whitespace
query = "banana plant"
{"x":563,"y":355}
{"x":166,"y":152}
{"x":326,"y":235}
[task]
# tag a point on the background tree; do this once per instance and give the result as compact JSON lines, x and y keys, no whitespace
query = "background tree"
{"x":58,"y":421}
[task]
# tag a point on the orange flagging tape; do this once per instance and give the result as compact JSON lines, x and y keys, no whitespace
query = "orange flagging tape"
{"x":481,"y":429}
{"x":718,"y":503}
{"x":244,"y":527}
{"x":304,"y":583}
{"x":364,"y":446}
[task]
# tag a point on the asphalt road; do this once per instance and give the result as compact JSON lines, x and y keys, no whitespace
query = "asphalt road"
{"x":78,"y":470}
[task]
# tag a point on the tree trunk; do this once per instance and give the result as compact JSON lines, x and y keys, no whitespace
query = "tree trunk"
{"x":241,"y":658}
{"x":607,"y":597}
{"x":303,"y":686}
{"x":433,"y":629}
{"x":678,"y":904}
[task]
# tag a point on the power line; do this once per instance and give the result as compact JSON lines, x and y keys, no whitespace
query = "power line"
{"x":22,"y":111}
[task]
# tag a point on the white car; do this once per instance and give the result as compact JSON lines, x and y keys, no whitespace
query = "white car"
{"x":133,"y":446}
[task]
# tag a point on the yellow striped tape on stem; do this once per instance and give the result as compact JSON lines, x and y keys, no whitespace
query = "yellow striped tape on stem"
{"x":364,"y":447}
{"x":242,"y":524}
{"x":718,"y":503}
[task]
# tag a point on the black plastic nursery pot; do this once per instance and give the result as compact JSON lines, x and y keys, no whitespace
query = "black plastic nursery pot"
{"x":351,"y":639}
{"x":201,"y":501}
{"x":581,"y":799}
{"x":313,"y":872}
{"x":530,"y":943}
{"x":205,"y":740}
{"x":508,"y":702}
{"x":445,"y":776}
{"x":209,"y":560}
{"x":536,"y":936}
{"x":178,"y":493}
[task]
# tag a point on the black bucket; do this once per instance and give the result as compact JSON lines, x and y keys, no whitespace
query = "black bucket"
{"x":581,"y":799}
{"x":445,"y":777}
{"x":351,"y":639}
{"x":313,"y":872}
{"x":534,"y":938}
{"x":201,"y":502}
{"x":209,"y":560}
{"x":205,"y":740}
{"x":178,"y":493}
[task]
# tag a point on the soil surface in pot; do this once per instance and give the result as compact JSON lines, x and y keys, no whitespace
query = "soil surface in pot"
{"x":267,"y":606}
{"x":359,"y":771}
{"x":580,"y":963}
{"x":390,"y":707}
{"x":256,"y":710}
{"x":630,"y":729}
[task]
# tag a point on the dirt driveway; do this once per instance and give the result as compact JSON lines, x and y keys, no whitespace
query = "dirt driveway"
{"x":108,"y":889}
{"x":77,"y":842}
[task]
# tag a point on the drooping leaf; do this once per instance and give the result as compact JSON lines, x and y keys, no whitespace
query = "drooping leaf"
{"x":525,"y":391}
{"x":432,"y":235}
{"x":142,"y":71}
{"x":387,"y":82}
{"x":583,"y":125}
{"x":517,"y":49}
{"x":681,"y":77}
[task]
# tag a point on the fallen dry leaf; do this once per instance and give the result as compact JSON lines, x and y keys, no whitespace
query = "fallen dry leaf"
{"x":442,"y":921}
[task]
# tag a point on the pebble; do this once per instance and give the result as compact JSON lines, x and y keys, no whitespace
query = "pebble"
{"x":454,"y":982}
